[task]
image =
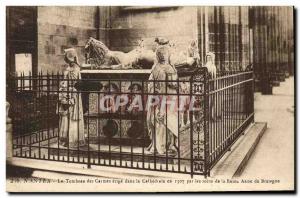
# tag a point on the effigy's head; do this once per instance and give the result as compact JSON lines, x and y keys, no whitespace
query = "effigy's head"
{"x":162,"y":54}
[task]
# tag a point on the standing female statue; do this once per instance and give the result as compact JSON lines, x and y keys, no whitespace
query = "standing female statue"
{"x":161,"y":119}
{"x":71,"y":126}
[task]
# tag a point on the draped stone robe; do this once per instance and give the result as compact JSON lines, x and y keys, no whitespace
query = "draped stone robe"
{"x":71,"y":124}
{"x":162,"y":121}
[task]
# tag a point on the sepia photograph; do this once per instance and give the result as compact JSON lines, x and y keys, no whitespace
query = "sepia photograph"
{"x":150,"y":98}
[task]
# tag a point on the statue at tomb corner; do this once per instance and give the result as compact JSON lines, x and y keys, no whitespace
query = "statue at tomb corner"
{"x":214,"y":101}
{"x":210,"y":65}
{"x":185,"y":58}
{"x":71,"y":123}
{"x":161,"y":118}
{"x":193,"y":53}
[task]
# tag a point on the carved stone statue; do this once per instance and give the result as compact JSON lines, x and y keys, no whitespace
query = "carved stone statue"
{"x":189,"y":57}
{"x":160,"y":119}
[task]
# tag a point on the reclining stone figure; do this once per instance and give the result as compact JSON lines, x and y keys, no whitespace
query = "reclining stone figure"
{"x":140,"y":57}
{"x":102,"y":57}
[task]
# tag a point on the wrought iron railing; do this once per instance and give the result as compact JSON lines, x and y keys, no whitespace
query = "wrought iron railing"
{"x":190,"y":122}
{"x":231,"y":110}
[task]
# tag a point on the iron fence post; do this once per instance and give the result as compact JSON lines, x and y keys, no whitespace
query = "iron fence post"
{"x":205,"y":125}
{"x":191,"y":129}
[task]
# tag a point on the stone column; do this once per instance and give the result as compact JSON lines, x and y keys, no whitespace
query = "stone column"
{"x":9,"y":144}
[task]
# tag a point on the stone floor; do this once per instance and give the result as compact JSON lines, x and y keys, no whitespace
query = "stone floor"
{"x":273,"y":157}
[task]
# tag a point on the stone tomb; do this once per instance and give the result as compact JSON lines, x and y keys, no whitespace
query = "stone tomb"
{"x":124,"y":128}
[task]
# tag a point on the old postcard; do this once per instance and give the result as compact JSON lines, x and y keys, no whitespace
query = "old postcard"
{"x":150,"y":98}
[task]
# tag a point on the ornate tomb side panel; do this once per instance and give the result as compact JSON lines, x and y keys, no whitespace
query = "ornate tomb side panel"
{"x":114,"y":121}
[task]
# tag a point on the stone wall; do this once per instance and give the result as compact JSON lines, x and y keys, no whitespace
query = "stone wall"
{"x":120,"y":28}
{"x":125,"y":26}
{"x":63,"y":27}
